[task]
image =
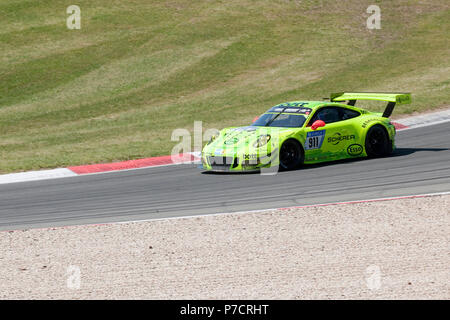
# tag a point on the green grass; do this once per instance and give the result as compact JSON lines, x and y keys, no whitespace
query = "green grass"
{"x":137,"y":70}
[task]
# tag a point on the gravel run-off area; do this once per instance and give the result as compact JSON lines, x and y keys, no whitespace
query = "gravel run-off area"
{"x":395,"y":249}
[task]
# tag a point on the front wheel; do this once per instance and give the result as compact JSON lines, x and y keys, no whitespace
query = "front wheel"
{"x":377,"y":142}
{"x":291,"y":155}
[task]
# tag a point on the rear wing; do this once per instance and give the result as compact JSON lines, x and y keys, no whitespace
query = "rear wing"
{"x":391,"y":98}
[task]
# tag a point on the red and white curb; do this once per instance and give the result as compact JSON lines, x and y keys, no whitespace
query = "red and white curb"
{"x":434,"y":118}
{"x":185,"y":158}
{"x":36,"y":175}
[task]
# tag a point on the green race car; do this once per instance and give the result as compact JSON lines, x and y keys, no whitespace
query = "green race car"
{"x":306,"y":132}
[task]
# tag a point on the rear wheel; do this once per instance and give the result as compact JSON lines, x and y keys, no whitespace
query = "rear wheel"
{"x":291,"y":155}
{"x":377,"y":142}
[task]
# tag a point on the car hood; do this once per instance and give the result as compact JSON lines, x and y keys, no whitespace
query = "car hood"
{"x":240,"y":137}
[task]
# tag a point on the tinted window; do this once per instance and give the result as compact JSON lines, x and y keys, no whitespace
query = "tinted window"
{"x":348,"y":114}
{"x":334,"y":114}
{"x":280,"y":120}
{"x":327,"y":114}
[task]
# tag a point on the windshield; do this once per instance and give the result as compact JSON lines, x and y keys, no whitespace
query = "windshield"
{"x":280,"y":120}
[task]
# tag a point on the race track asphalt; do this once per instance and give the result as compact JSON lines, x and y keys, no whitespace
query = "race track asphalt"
{"x":421,"y":164}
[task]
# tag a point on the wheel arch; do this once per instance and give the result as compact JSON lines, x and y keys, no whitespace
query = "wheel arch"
{"x":379,"y":124}
{"x":299,"y":143}
{"x":386,"y":132}
{"x":294,"y":139}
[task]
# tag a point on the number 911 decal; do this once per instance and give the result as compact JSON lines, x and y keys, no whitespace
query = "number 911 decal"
{"x":314,"y":140}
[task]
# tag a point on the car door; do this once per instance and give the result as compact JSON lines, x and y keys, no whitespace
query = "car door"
{"x":330,"y":142}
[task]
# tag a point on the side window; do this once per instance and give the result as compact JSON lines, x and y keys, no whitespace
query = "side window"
{"x":333,"y":114}
{"x":326,"y":114}
{"x":348,"y":114}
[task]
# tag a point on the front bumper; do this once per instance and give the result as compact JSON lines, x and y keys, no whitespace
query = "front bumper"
{"x":237,"y":163}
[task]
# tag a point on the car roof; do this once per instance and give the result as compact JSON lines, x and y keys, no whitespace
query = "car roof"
{"x":309,"y":104}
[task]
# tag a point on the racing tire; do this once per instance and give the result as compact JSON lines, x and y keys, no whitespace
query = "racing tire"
{"x":377,"y":142}
{"x":291,"y":155}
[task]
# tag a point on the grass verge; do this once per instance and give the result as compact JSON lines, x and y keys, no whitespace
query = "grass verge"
{"x":117,"y":88}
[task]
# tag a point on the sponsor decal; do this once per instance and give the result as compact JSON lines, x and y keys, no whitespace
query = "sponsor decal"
{"x":248,"y":129}
{"x":250,"y":156}
{"x":403,"y":99}
{"x":337,"y":137}
{"x":219,"y":152}
{"x":314,"y":139}
{"x":292,"y":107}
{"x":251,"y":160}
{"x":355,"y":149}
{"x":292,"y":110}
{"x":292,"y":104}
{"x":231,"y":141}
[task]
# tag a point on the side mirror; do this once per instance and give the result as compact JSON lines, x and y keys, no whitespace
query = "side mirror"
{"x":318,"y":124}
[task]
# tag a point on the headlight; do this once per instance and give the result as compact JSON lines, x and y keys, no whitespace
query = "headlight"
{"x":261,"y":141}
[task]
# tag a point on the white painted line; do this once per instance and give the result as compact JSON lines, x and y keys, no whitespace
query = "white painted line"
{"x":36,"y":175}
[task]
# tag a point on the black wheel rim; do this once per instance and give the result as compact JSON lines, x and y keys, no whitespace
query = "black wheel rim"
{"x":289,"y":155}
{"x":377,"y":141}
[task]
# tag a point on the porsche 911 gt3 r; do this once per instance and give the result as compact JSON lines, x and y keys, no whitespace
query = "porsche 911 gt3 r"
{"x":291,"y":134}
